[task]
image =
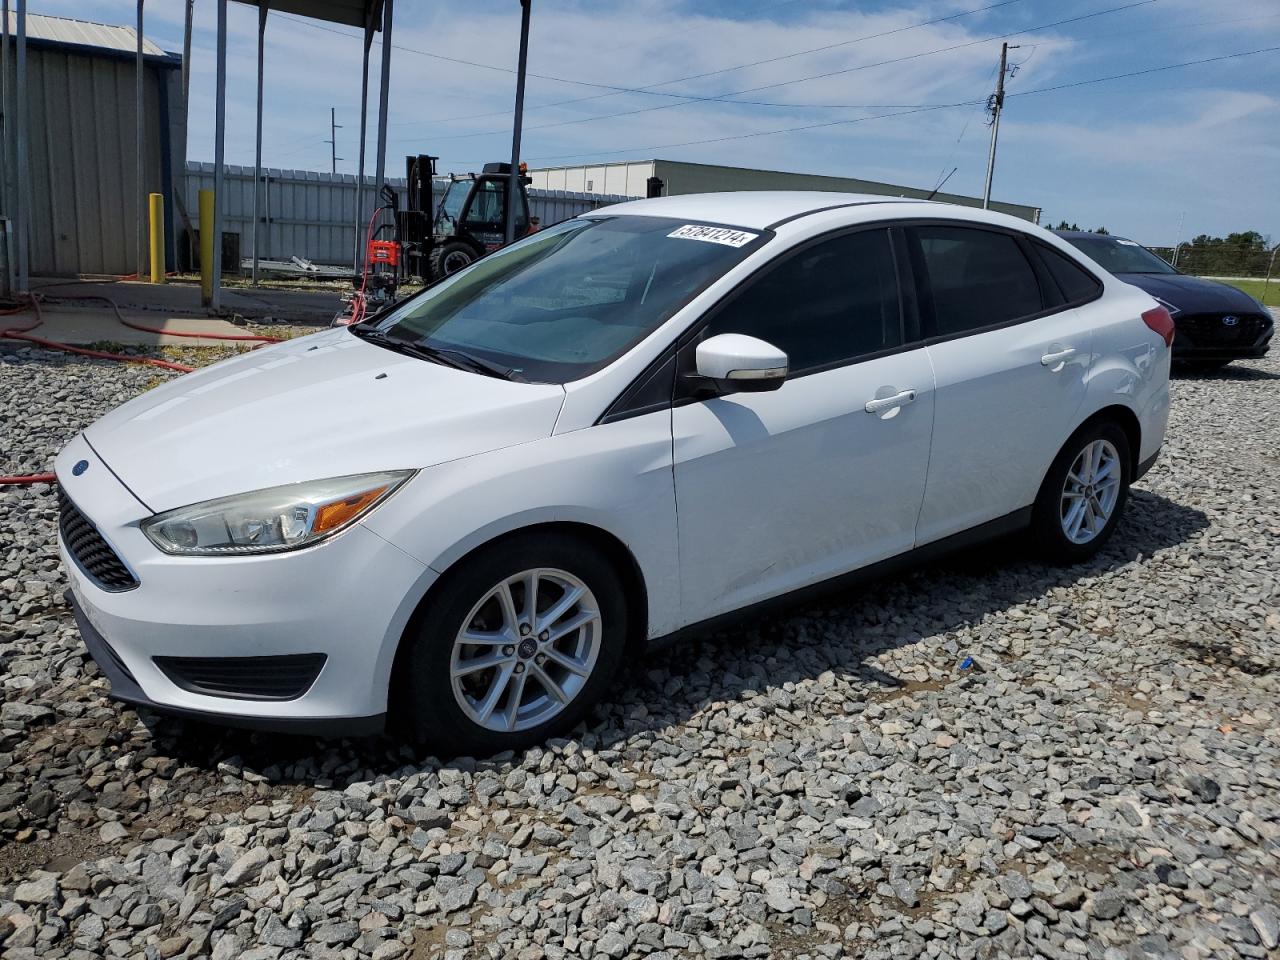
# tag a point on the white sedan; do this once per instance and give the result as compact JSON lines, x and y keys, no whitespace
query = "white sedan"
{"x":464,"y":513}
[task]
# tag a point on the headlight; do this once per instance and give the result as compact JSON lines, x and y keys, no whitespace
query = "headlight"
{"x":271,"y":520}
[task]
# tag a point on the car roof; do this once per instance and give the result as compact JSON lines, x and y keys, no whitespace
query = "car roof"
{"x":756,"y":209}
{"x":1088,"y":234}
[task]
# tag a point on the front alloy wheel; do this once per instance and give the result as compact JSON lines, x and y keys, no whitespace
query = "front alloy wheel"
{"x":526,"y":650}
{"x":513,"y":645}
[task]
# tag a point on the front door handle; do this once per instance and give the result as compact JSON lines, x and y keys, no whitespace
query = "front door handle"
{"x":1058,"y":357}
{"x":888,"y":403}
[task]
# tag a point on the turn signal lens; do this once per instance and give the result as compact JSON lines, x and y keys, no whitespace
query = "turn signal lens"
{"x":334,"y":515}
{"x":1159,"y":320}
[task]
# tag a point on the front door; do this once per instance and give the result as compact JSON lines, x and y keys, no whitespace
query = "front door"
{"x":779,"y":490}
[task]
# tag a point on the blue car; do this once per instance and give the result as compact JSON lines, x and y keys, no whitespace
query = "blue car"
{"x":1214,"y":323}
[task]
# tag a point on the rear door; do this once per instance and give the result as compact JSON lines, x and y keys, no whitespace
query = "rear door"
{"x":778,"y":490}
{"x":1010,"y":356}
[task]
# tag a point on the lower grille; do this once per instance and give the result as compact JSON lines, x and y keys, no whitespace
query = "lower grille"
{"x":1208,"y":329}
{"x":90,"y":551}
{"x":247,"y":678}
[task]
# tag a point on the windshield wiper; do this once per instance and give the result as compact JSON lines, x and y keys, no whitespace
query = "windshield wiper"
{"x":448,"y":358}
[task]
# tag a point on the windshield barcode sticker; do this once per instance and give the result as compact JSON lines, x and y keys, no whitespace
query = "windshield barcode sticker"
{"x":725,"y":235}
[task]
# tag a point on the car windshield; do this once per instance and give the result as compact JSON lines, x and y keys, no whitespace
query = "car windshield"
{"x":566,"y":301}
{"x":1120,"y":256}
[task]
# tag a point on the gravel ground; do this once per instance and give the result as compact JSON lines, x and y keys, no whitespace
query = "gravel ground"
{"x":1102,"y":781}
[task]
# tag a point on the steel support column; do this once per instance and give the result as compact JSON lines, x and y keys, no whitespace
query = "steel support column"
{"x":358,"y":255}
{"x":384,"y":90}
{"x":140,"y":143}
{"x":257,"y":156}
{"x":513,"y":185}
{"x":6,"y":112}
{"x":21,"y":238}
{"x":219,"y":145}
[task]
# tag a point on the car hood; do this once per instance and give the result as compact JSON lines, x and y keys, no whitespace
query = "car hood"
{"x":320,"y":406}
{"x":1191,"y":294}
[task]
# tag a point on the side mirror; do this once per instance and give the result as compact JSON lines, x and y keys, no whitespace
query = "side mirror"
{"x":736,"y":363}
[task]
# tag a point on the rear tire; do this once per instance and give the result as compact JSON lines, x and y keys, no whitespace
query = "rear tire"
{"x":454,"y":705}
{"x":1083,"y":494}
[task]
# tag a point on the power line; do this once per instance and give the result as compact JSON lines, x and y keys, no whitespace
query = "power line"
{"x":919,"y":109}
{"x":650,"y":89}
{"x":727,"y":97}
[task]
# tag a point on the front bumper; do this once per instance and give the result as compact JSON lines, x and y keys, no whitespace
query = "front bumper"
{"x":348,"y":599}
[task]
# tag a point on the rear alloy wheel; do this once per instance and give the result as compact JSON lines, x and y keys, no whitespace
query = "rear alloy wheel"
{"x":514,"y":646}
{"x":1090,"y":492}
{"x":1083,"y":494}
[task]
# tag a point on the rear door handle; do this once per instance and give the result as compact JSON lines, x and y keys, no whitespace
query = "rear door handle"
{"x":888,"y":403}
{"x":1053,"y":359}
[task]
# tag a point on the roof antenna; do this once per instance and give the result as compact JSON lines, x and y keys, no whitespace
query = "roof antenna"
{"x":934,"y":192}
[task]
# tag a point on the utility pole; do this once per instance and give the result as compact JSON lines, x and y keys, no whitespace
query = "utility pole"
{"x":996,"y":106}
{"x":513,"y":184}
{"x":333,"y":139}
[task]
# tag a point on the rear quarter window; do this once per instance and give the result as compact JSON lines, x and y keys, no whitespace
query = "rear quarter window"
{"x":1076,"y":283}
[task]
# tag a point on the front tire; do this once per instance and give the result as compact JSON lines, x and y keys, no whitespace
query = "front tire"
{"x":514,"y":646}
{"x":1083,"y":494}
{"x":450,"y":257}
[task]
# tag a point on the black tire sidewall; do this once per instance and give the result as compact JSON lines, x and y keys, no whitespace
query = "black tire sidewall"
{"x":1046,"y":525}
{"x":428,"y":709}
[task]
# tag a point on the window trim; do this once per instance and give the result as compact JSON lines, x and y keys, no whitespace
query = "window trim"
{"x":681,"y":344}
{"x":1038,"y":246}
{"x":1023,"y":241}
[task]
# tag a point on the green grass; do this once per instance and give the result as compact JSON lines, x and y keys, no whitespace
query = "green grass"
{"x":1254,"y":289}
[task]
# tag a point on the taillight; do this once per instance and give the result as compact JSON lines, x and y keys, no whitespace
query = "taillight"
{"x":1159,"y":320}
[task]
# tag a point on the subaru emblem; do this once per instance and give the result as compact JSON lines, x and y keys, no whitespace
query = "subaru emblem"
{"x":80,"y":467}
{"x":1230,"y":321}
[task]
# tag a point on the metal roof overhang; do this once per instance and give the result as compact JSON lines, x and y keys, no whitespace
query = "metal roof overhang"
{"x":351,"y":13}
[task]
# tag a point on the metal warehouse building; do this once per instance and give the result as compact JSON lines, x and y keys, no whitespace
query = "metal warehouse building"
{"x":677,"y":177}
{"x":82,"y":205}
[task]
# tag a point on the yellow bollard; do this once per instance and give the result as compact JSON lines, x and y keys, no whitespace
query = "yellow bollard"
{"x":157,"y":238}
{"x":206,"y":247}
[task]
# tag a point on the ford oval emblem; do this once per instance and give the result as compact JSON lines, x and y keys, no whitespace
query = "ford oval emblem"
{"x":80,"y":468}
{"x":1230,"y":321}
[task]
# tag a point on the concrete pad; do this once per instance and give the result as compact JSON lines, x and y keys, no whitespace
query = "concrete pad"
{"x":83,"y":326}
{"x":314,"y":306}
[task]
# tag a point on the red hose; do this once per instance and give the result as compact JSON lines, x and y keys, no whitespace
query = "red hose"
{"x":27,"y":480}
{"x":23,"y":333}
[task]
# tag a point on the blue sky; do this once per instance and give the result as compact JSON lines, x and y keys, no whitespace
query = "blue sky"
{"x":1198,"y":145}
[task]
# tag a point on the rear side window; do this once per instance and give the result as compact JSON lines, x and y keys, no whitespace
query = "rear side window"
{"x":975,"y":278}
{"x":829,"y":303}
{"x":1076,"y":283}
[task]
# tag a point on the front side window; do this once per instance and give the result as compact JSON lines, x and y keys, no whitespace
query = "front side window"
{"x":566,"y":301}
{"x":829,"y":303}
{"x":487,"y":205}
{"x":976,"y":278}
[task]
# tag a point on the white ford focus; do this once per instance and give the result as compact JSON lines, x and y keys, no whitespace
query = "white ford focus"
{"x":466,"y":510}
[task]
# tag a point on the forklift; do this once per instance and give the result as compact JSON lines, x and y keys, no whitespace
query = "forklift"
{"x":469,"y":221}
{"x":433,"y":241}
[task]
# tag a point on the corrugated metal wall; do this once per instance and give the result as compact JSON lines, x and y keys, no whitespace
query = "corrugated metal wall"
{"x":307,"y":214}
{"x":312,"y":215}
{"x":82,"y":159}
